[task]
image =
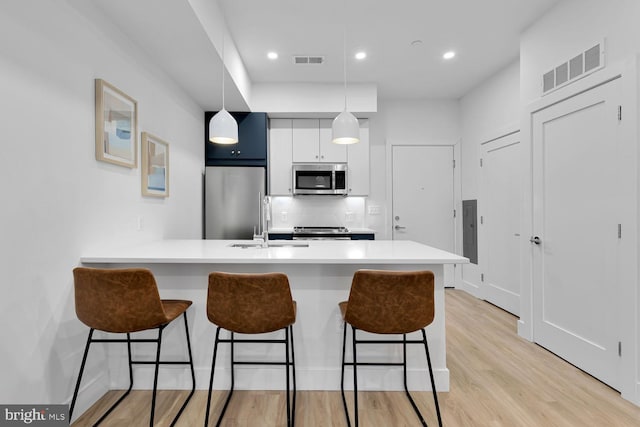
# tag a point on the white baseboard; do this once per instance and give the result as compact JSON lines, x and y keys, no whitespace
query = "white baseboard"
{"x":524,"y":331}
{"x":470,"y":288}
{"x":263,"y":378}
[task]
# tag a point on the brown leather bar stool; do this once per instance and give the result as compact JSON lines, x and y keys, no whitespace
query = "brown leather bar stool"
{"x":252,"y":304}
{"x":127,"y":301}
{"x":388,"y":302}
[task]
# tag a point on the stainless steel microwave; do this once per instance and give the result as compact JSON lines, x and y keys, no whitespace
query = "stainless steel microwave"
{"x":320,"y":178}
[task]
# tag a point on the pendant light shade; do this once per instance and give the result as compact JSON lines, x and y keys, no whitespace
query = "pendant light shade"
{"x":223,"y":128}
{"x":345,"y":129}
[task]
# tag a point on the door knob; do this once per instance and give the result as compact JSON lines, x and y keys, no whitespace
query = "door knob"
{"x":535,"y":239}
{"x":397,"y":227}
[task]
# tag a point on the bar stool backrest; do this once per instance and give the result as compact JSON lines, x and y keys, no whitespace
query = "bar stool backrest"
{"x":118,"y":300}
{"x":250,"y":303}
{"x":391,"y":302}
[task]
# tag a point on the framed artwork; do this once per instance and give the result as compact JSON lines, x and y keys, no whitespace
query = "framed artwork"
{"x":155,"y":166}
{"x":116,"y":126}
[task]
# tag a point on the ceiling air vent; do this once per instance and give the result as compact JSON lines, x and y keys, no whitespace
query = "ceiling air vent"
{"x":575,"y":68}
{"x":304,"y":59}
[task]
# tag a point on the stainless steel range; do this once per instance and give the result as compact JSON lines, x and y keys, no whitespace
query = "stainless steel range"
{"x":321,"y":233}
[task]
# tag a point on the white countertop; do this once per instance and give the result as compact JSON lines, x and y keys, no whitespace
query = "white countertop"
{"x":318,"y":252}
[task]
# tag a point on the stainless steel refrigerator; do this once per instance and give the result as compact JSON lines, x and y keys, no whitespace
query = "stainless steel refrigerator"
{"x":233,"y":201}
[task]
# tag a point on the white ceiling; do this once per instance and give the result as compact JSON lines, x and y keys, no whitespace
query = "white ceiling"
{"x":484,"y":33}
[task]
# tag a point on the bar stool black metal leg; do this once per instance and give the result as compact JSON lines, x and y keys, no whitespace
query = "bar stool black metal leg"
{"x":106,"y":414}
{"x":84,"y":361}
{"x":293,"y":367}
{"x":433,"y":383}
{"x":213,"y":367}
{"x":344,"y":346}
{"x":193,"y":374}
{"x":226,"y":403}
{"x":286,"y":358}
{"x":155,"y":377}
{"x":355,"y":376}
{"x":406,"y":388}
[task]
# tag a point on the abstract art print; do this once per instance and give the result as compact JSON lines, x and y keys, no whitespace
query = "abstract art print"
{"x":155,"y":166}
{"x":116,"y":126}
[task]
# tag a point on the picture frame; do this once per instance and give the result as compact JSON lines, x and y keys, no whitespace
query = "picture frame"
{"x":155,"y":166}
{"x":116,"y":126}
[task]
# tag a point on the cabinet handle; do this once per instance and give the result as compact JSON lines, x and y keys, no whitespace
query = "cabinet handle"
{"x":238,"y":153}
{"x":233,"y":152}
{"x":322,"y":157}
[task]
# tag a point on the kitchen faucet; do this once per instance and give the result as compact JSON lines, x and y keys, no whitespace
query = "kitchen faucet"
{"x":263,"y":222}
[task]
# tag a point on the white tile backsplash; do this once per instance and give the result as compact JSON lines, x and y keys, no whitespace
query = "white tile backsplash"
{"x":317,"y":211}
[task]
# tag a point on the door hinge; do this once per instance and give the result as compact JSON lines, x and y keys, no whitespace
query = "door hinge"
{"x":480,"y":162}
{"x":481,"y":219}
{"x":454,"y":213}
{"x":482,"y":277}
{"x":454,"y":163}
{"x":619,"y":113}
{"x":619,"y":348}
{"x":619,"y":231}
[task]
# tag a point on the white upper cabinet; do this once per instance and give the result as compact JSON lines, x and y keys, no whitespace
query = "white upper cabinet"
{"x":312,"y":142}
{"x":358,"y":163}
{"x":330,"y":152}
{"x":280,"y":157}
{"x":301,"y":140}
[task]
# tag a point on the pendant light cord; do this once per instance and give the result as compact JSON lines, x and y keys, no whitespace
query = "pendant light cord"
{"x":344,"y":50}
{"x":223,"y":70}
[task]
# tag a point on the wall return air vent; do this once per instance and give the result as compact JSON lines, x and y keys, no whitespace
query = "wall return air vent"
{"x":574,"y":69}
{"x":305,"y":59}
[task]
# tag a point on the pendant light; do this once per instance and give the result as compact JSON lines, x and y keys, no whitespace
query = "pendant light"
{"x":223,"y":128}
{"x":345,"y":128}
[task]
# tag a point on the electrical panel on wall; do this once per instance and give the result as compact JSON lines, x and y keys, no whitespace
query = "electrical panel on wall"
{"x":577,"y":67}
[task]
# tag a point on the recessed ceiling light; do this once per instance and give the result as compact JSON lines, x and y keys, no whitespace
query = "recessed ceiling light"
{"x":449,"y":55}
{"x":272,"y":55}
{"x":416,"y":43}
{"x":361,"y":55}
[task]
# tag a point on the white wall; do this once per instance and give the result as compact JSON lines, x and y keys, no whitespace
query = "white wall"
{"x":57,"y":200}
{"x":571,"y":26}
{"x":488,"y":111}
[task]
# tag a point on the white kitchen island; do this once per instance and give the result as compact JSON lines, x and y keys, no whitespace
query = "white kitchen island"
{"x":320,"y":276}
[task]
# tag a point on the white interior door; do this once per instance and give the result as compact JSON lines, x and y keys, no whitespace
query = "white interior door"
{"x":423,"y":198}
{"x":500,"y":230}
{"x":575,"y":206}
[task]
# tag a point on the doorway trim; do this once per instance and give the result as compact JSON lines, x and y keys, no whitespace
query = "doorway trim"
{"x":628,"y":299}
{"x":457,"y":196}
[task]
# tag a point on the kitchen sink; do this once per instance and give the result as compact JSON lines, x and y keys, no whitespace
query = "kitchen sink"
{"x":271,"y":245}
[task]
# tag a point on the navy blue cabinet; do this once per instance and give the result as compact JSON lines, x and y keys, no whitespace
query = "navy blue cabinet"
{"x":363,"y":236}
{"x":251,"y":149}
{"x":353,"y":236}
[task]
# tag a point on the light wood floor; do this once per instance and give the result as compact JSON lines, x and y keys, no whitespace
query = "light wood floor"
{"x":497,"y":379}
